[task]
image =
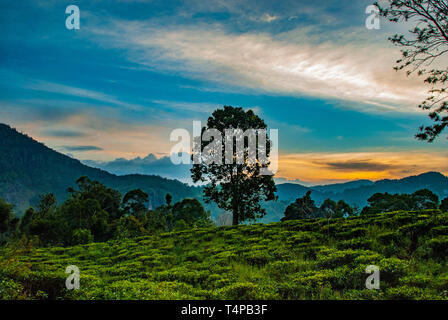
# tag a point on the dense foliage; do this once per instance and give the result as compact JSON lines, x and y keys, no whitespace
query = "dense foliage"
{"x":299,"y":259}
{"x":426,"y":43}
{"x":29,"y":169}
{"x":235,"y":181}
{"x":385,"y":202}
{"x":94,"y":212}
{"x":305,"y":207}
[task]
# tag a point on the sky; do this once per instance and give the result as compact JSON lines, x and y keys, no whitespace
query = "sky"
{"x":136,"y":70}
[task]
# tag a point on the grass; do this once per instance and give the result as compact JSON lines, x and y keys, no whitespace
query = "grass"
{"x":302,"y":259}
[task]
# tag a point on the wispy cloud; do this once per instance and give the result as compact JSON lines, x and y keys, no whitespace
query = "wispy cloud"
{"x":64,"y":133}
{"x":293,"y":63}
{"x":361,"y":165}
{"x":52,"y":87}
{"x":198,"y":107}
{"x":82,"y":148}
{"x":334,"y":167}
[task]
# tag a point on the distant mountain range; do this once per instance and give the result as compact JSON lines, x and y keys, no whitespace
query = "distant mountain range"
{"x":149,"y":165}
{"x":357,"y":192}
{"x":29,"y":169}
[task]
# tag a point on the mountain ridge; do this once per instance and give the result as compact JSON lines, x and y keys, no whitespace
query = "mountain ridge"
{"x":29,"y":169}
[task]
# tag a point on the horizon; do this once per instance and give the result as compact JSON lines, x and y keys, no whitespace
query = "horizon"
{"x":132,"y":73}
{"x":278,"y":181}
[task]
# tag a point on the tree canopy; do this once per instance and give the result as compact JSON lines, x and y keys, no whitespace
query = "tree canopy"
{"x":386,"y":202}
{"x":426,"y":43}
{"x":235,"y":187}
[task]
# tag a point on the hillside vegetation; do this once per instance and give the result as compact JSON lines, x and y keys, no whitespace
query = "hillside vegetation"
{"x":29,"y":169}
{"x":299,"y":259}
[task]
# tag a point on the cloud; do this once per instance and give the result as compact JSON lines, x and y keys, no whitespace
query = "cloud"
{"x":322,"y":168}
{"x":52,"y":87}
{"x":198,"y":107}
{"x":82,"y":148}
{"x":64,"y":133}
{"x":366,"y":165}
{"x":118,"y":133}
{"x":294,"y":63}
{"x":266,"y":18}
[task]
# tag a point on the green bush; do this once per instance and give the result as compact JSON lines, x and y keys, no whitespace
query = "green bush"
{"x":81,"y":236}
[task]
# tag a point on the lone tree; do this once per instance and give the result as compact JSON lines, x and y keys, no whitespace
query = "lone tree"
{"x":238,"y":186}
{"x":426,"y":43}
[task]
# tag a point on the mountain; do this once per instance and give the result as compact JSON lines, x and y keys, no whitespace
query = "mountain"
{"x":29,"y":169}
{"x":357,"y":192}
{"x":340,"y":187}
{"x":149,"y":165}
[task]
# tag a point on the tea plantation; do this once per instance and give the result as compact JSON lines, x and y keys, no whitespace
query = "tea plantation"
{"x":300,"y":259}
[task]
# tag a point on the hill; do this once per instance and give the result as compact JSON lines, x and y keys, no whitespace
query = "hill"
{"x":357,"y":192}
{"x":29,"y":169}
{"x":301,"y":259}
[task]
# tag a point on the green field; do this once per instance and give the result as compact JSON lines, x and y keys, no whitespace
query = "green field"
{"x":300,"y":259}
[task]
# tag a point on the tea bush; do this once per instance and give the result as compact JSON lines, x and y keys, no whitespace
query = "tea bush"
{"x":297,"y":259}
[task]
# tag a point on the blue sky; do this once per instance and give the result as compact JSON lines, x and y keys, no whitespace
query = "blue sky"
{"x":135,"y":70}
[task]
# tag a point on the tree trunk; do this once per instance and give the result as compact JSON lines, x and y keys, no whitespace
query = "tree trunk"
{"x":235,"y":216}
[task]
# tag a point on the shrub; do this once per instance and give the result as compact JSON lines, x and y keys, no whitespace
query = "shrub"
{"x":439,"y":246}
{"x":81,"y":236}
{"x":241,"y":291}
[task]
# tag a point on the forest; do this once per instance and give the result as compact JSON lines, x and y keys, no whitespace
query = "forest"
{"x":94,"y":213}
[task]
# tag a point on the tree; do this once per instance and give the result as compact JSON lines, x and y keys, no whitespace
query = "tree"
{"x":168,"y":199}
{"x":93,"y":207}
{"x":238,"y":188}
{"x":343,"y":209}
{"x":302,"y":208}
{"x":108,"y":199}
{"x":190,"y":211}
{"x":46,"y":204}
{"x":160,"y":219}
{"x":44,"y":222}
{"x":81,"y":236}
{"x":134,"y":202}
{"x":129,"y":227}
{"x":328,"y":208}
{"x":26,"y":220}
{"x":424,"y":199}
{"x":444,"y":205}
{"x":427,"y":42}
{"x":6,"y":217}
{"x":385,"y":202}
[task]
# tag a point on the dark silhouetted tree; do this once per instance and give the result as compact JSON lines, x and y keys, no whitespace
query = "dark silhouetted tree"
{"x":238,"y":188}
{"x":134,"y":202}
{"x":190,"y":211}
{"x":385,"y":202}
{"x":444,"y":205}
{"x":7,"y":219}
{"x":302,"y":208}
{"x":426,"y":42}
{"x":168,"y":199}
